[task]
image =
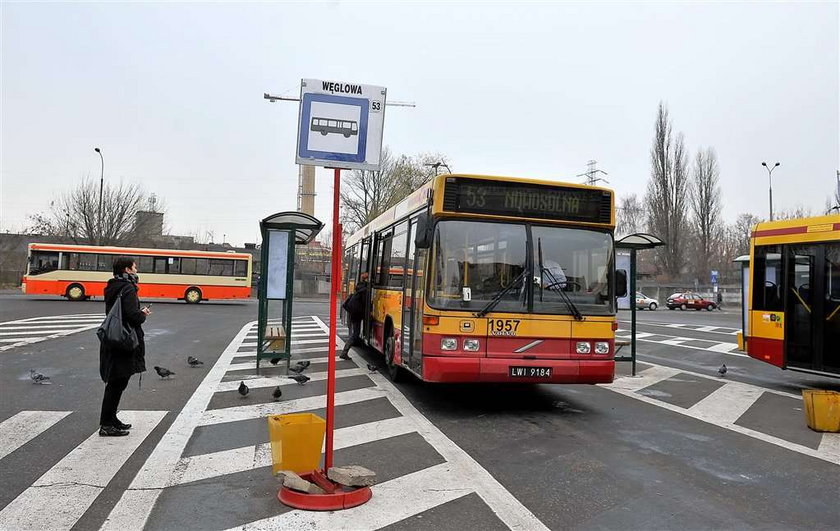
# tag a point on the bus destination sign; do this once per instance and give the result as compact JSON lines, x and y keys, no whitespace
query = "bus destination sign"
{"x":504,"y":198}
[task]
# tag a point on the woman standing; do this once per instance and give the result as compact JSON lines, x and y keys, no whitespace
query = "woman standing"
{"x":115,"y":365}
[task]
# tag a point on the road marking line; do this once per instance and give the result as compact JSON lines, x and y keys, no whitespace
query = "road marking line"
{"x":62,"y":495}
{"x":830,"y":445}
{"x":830,"y":456}
{"x":41,"y":327}
{"x":253,"y":411}
{"x":464,"y":469}
{"x":252,"y":365}
{"x":49,"y":332}
{"x":31,"y":340}
{"x":274,"y":381}
{"x":709,"y":329}
{"x":311,"y":341}
{"x":429,"y":488}
{"x":206,"y":466}
{"x":160,"y":469}
{"x":25,"y":426}
{"x":726,"y":404}
{"x":643,"y":379}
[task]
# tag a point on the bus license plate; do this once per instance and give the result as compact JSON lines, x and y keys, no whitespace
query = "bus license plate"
{"x":529,"y":372}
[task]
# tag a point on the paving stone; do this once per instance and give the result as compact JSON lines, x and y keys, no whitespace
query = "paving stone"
{"x":352,"y":476}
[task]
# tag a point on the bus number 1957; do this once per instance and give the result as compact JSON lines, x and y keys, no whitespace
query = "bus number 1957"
{"x":503,"y":327}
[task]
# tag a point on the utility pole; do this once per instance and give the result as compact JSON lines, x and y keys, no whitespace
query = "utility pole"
{"x":592,"y":172}
{"x":101,"y":183}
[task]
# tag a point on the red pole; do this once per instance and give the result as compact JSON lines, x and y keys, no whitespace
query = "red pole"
{"x":335,"y":285}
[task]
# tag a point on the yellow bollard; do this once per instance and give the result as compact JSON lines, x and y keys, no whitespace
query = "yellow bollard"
{"x":296,"y":441}
{"x":822,"y":410}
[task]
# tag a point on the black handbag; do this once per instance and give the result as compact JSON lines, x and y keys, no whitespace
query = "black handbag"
{"x":114,"y":333}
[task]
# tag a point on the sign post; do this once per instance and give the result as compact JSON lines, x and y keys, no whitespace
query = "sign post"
{"x":340,"y":127}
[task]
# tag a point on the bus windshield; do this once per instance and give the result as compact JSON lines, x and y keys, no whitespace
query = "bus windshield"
{"x":568,"y":270}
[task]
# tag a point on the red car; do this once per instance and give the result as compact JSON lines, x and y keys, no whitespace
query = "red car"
{"x":690,"y":301}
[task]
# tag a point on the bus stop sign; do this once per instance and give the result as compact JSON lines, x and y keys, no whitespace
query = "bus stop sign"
{"x":340,"y":124}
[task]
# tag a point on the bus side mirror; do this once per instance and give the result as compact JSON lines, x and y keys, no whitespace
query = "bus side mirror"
{"x":423,"y":234}
{"x":620,"y":283}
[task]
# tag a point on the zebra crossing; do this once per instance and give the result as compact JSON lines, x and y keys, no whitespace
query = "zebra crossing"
{"x":775,"y":417}
{"x":220,"y":441}
{"x":36,"y":329}
{"x":721,"y":347}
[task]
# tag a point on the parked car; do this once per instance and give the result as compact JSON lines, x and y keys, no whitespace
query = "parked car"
{"x":643,"y":301}
{"x":690,"y":301}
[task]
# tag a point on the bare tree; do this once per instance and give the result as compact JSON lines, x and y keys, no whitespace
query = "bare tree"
{"x":705,"y":207}
{"x":75,"y":215}
{"x":367,"y":194}
{"x":742,"y":231}
{"x":797,"y":212}
{"x":667,"y":193}
{"x":630,"y":216}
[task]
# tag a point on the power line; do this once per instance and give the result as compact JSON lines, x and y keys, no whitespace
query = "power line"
{"x":592,"y":172}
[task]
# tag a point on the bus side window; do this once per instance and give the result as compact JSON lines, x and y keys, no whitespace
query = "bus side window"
{"x":240,"y":268}
{"x":188,"y":266}
{"x":768,"y":279}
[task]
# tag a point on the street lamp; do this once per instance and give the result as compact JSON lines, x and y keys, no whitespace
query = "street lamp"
{"x":437,"y":165}
{"x":770,"y":175}
{"x":101,"y":183}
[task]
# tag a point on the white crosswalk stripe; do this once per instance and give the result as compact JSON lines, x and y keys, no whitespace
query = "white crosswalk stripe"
{"x":62,"y":495}
{"x":25,"y":426}
{"x":36,"y":329}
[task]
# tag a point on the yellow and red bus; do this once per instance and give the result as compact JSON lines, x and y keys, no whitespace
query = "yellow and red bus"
{"x":82,"y":271}
{"x":492,"y":279}
{"x":794,"y":303}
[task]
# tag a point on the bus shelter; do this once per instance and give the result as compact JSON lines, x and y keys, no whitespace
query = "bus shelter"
{"x":280,"y":233}
{"x":635,"y":242}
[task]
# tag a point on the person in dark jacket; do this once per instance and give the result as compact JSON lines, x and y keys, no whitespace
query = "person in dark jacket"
{"x":116,"y":366}
{"x":355,"y":306}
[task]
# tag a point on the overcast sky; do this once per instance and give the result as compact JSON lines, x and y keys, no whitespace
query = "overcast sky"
{"x":173,"y":96}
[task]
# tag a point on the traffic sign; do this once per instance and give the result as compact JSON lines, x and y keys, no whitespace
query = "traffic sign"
{"x":714,"y":276}
{"x":340,"y":124}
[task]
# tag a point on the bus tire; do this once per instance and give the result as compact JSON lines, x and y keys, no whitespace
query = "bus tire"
{"x":192,"y":296}
{"x":75,"y":292}
{"x":395,"y":372}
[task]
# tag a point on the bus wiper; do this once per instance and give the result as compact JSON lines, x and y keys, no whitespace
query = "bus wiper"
{"x":492,"y":304}
{"x":554,"y":285}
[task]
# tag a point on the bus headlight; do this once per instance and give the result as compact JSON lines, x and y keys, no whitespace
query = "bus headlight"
{"x":583,"y":347}
{"x":449,"y":343}
{"x":471,"y":345}
{"x":602,"y":347}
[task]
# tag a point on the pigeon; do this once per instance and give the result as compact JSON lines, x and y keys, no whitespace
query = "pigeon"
{"x":163,"y":372}
{"x":38,"y":378}
{"x":372,"y":368}
{"x":300,"y":378}
{"x":194,"y":362}
{"x":277,"y":393}
{"x":275,"y":361}
{"x":243,"y":389}
{"x":300,"y":366}
{"x":722,"y":370}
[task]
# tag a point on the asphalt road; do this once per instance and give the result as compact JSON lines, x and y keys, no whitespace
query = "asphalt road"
{"x":675,"y":447}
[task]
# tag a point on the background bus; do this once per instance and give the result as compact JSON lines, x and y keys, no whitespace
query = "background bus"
{"x":492,"y":279}
{"x":81,"y":271}
{"x":795,"y":294}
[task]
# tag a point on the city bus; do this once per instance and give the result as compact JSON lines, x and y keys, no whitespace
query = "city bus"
{"x":78,"y":272}
{"x":794,"y":302}
{"x":492,"y":279}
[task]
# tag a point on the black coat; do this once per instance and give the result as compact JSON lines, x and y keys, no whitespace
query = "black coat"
{"x":116,"y":363}
{"x":355,"y":303}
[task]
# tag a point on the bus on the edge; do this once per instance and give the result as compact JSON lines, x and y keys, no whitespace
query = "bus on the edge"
{"x":492,"y":279}
{"x":81,"y":271}
{"x":795,"y":294}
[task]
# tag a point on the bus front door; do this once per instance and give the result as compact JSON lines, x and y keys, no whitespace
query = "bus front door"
{"x":805,"y":307}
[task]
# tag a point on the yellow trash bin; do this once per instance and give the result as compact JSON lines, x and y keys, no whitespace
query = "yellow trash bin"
{"x":822,"y":409}
{"x":296,"y":441}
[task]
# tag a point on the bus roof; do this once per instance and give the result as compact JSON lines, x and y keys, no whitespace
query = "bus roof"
{"x":134,"y":250}
{"x":418,"y":199}
{"x":819,"y":228}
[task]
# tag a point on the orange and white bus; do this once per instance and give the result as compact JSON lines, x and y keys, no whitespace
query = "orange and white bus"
{"x":82,"y":271}
{"x":794,"y":306}
{"x":492,"y":279}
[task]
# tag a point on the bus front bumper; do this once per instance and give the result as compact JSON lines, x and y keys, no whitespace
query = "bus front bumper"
{"x":451,"y":369}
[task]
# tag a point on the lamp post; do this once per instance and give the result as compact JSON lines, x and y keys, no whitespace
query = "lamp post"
{"x":770,"y":175}
{"x":101,"y":183}
{"x":437,"y":165}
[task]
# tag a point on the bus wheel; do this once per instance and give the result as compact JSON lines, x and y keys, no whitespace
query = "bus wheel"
{"x":394,"y":371}
{"x":75,"y":292}
{"x":192,"y":296}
